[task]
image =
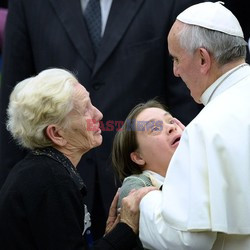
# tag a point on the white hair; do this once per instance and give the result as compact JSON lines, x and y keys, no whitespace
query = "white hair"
{"x":225,"y":48}
{"x":37,"y":102}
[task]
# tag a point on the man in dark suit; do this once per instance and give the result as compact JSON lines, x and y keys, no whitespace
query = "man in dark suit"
{"x":4,"y":4}
{"x":132,"y":65}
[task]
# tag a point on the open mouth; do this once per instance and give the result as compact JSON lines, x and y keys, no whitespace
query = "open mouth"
{"x":176,"y":139}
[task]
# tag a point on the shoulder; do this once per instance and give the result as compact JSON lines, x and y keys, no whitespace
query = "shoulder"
{"x":37,"y":174}
{"x":133,"y":182}
{"x":141,"y":180}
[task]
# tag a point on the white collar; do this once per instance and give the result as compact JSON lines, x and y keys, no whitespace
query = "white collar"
{"x":220,"y":85}
{"x":158,"y":177}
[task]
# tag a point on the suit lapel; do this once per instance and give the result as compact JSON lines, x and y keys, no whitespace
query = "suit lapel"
{"x":71,"y":16}
{"x":121,"y":15}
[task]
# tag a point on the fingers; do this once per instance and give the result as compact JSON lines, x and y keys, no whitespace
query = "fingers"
{"x":113,"y":217}
{"x":132,"y":191}
{"x":111,"y":224}
{"x":134,"y":197}
{"x":129,"y":211}
{"x":115,"y":200}
{"x":140,"y":193}
{"x":179,"y":123}
{"x":130,"y":207}
{"x":113,"y":206}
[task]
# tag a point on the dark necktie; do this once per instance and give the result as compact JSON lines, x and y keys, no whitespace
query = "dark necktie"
{"x":93,"y":19}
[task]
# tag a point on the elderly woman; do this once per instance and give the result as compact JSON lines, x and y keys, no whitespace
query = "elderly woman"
{"x":41,"y":202}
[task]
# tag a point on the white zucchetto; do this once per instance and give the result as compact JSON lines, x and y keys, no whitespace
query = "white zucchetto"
{"x":212,"y":16}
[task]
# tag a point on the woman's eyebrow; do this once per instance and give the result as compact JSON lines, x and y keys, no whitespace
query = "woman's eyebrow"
{"x":167,"y":114}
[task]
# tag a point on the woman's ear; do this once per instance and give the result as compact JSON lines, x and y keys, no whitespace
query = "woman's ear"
{"x":137,"y":158}
{"x":55,"y":135}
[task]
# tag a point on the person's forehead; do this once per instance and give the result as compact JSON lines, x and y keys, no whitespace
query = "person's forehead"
{"x":173,"y":41}
{"x":177,"y":27}
{"x":152,"y":113}
{"x":80,"y":90}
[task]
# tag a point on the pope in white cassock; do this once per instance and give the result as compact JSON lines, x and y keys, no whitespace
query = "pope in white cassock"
{"x":205,"y":201}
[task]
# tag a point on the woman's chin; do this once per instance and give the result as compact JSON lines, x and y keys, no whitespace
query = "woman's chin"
{"x":98,"y":141}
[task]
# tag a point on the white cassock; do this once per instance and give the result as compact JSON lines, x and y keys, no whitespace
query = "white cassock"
{"x":205,"y":201}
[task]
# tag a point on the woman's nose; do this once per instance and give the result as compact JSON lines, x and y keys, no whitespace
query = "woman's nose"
{"x":175,"y":70}
{"x":98,"y":114}
{"x":171,"y":127}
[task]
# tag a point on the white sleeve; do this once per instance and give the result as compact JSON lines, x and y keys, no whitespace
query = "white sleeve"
{"x":155,"y":233}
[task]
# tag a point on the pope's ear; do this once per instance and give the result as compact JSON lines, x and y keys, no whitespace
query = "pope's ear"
{"x":205,"y":59}
{"x":55,"y":135}
{"x":137,"y":158}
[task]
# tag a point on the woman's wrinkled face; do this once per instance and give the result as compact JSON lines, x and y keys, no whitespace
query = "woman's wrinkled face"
{"x":158,"y":136}
{"x":83,"y":132}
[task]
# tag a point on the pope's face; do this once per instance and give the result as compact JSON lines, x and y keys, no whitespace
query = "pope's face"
{"x":186,"y":65}
{"x":79,"y":135}
{"x":158,"y":137}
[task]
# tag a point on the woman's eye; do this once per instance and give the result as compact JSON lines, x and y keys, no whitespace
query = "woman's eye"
{"x":172,"y":122}
{"x":86,"y":110}
{"x":175,"y":60}
{"x":155,"y":128}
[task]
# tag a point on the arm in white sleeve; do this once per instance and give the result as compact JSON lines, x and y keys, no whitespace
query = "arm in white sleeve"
{"x":156,"y":233}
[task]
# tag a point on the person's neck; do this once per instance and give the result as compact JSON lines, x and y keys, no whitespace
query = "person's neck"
{"x":159,"y":171}
{"x":72,"y":154}
{"x":221,"y":70}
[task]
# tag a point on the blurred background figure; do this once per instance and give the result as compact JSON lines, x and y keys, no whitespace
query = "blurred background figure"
{"x":121,"y":59}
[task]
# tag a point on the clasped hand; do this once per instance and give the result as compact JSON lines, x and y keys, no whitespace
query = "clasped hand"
{"x":129,"y":212}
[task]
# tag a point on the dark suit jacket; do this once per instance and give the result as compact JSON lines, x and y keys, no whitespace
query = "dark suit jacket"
{"x":133,"y":66}
{"x":4,"y":3}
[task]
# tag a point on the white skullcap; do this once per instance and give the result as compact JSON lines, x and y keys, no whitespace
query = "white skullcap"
{"x":213,"y":16}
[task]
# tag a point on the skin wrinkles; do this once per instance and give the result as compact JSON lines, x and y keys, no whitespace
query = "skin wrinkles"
{"x":79,"y":139}
{"x":192,"y":68}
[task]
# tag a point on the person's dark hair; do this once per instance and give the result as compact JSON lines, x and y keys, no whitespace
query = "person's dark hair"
{"x":125,"y":141}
